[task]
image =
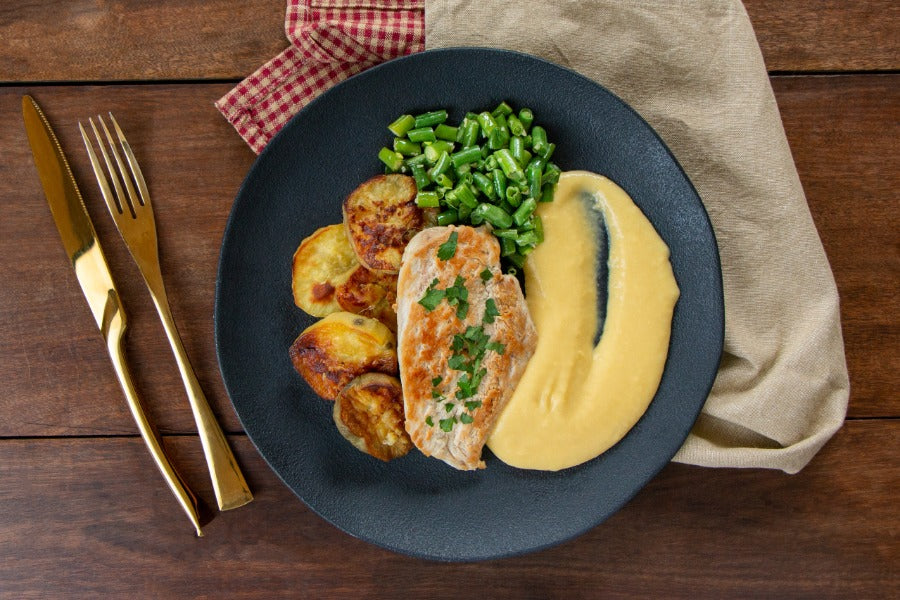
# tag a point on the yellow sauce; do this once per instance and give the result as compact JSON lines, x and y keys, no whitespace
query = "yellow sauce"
{"x":576,"y":400}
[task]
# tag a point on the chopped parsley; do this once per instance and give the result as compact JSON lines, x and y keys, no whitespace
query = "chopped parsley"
{"x":432,"y":297}
{"x":490,"y":311}
{"x":469,"y":347}
{"x":496,"y":347}
{"x":447,"y":250}
{"x":456,"y":295}
{"x":428,"y":421}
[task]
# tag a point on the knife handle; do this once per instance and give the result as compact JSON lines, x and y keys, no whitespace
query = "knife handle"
{"x":228,"y":482}
{"x":114,"y":330}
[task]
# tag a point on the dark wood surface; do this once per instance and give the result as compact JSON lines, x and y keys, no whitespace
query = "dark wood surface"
{"x":83,"y":514}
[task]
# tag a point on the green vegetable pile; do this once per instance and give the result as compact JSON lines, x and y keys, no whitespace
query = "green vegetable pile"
{"x":494,"y":167}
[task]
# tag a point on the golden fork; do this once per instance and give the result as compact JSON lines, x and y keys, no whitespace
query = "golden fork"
{"x":133,"y":215}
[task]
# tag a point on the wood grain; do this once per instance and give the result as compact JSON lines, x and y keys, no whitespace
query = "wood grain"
{"x":214,"y":39}
{"x":843,"y":132}
{"x":829,"y":35}
{"x":89,"y":517}
{"x":195,"y":163}
{"x":93,"y":40}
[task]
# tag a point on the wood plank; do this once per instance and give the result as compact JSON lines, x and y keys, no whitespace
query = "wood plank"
{"x":47,"y":328}
{"x":843,"y":133}
{"x":829,"y":35}
{"x":90,"y":517}
{"x":138,"y":39}
{"x":197,"y":39}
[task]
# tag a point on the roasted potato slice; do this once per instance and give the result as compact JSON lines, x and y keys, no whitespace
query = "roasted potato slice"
{"x":369,"y":413}
{"x":381,"y":216}
{"x":371,"y":294}
{"x":322,"y":262}
{"x":340,"y":347}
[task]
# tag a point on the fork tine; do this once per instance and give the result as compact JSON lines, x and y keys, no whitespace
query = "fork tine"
{"x":121,"y":202}
{"x":112,"y":201}
{"x":133,"y":200}
{"x":132,"y":162}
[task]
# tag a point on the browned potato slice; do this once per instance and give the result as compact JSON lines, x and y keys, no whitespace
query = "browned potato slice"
{"x":323,"y":261}
{"x":370,"y":293}
{"x":340,"y":347}
{"x":369,"y":413}
{"x":381,"y":216}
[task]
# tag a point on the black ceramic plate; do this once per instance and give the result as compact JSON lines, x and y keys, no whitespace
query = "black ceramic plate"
{"x":417,"y":505}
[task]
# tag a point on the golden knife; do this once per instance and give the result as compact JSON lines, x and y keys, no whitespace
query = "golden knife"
{"x":83,"y":249}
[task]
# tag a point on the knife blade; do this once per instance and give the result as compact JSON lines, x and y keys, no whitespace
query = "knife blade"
{"x":83,"y":249}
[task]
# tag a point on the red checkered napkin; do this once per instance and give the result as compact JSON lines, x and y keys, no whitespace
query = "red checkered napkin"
{"x":330,"y":41}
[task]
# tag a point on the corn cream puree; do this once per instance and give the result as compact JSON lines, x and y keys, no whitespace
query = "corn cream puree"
{"x":576,"y":400}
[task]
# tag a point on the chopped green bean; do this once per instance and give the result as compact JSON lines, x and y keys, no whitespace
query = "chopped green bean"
{"x":430,"y":119}
{"x":547,"y":191}
{"x":464,"y":211}
{"x":501,"y":122}
{"x":393,"y":160}
{"x":418,"y":159}
{"x":433,"y":150}
{"x":515,"y":125}
{"x":440,"y":166}
{"x":526,"y":117}
{"x":422,"y":134}
{"x":538,"y":139}
{"x":420,"y":176}
{"x":517,"y":259}
{"x":484,"y":185}
{"x":551,"y":174}
{"x":499,"y":181}
{"x":524,"y":211}
{"x":507,"y":246}
{"x":506,"y":233}
{"x":428,"y":199}
{"x":470,"y":130}
{"x":494,"y":215}
{"x":444,"y":180}
{"x":465,"y":195}
{"x":533,"y":174}
{"x":510,"y":166}
{"x":499,"y":138}
{"x":402,"y":125}
{"x":467,"y":155}
{"x":487,"y":123}
{"x":446,"y":132}
{"x":502,"y":109}
{"x":447,"y":217}
{"x":406,"y":147}
{"x":513,"y":195}
{"x":548,"y":151}
{"x":538,"y":228}
{"x":529,"y":238}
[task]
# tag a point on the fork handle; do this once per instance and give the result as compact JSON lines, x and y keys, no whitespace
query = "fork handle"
{"x":228,"y":482}
{"x":115,"y":330}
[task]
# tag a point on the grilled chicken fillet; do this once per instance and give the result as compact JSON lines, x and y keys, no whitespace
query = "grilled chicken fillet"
{"x":444,"y":348}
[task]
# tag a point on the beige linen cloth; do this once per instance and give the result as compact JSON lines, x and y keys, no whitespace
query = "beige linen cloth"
{"x":694,"y":71}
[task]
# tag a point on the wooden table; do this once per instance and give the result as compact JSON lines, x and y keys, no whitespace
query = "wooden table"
{"x":83,"y":513}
